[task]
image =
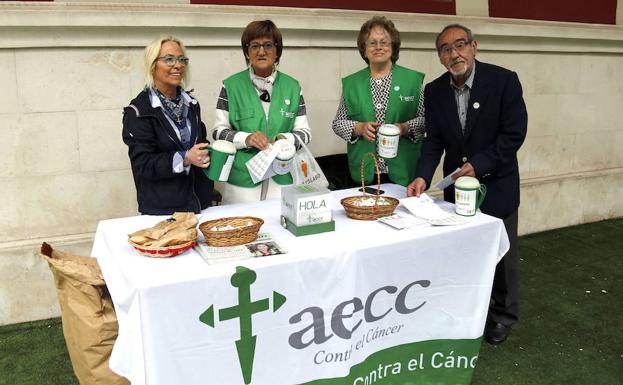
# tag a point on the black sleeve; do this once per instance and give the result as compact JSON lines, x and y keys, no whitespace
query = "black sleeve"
{"x":148,"y":157}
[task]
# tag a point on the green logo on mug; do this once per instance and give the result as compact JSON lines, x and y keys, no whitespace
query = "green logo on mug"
{"x":468,"y":195}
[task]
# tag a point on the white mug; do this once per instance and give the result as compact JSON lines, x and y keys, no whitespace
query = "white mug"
{"x":281,"y":164}
{"x":468,"y":195}
{"x":388,"y":136}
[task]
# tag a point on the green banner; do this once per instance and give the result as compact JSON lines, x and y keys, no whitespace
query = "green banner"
{"x":436,"y":362}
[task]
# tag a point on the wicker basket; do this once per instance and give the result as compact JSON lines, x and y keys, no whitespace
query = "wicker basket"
{"x":369,"y":213}
{"x":242,"y":233}
{"x":162,"y":252}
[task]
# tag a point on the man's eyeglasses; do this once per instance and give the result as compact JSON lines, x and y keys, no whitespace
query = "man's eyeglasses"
{"x":458,"y":45}
{"x":382,"y":44}
{"x":170,"y":60}
{"x":255,"y":47}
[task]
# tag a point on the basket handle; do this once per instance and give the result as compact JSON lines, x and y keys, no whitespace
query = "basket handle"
{"x":378,"y":176}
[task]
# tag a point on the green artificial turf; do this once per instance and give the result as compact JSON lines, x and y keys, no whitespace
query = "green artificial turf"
{"x":571,"y":311}
{"x":570,"y":330}
{"x":34,"y":353}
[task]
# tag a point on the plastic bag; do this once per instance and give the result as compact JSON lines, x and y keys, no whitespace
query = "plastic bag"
{"x":305,"y":169}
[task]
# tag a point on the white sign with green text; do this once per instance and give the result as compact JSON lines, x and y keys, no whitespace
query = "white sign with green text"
{"x":405,"y":312}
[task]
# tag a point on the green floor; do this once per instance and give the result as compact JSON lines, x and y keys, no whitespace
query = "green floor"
{"x":571,"y":326}
{"x":570,"y":333}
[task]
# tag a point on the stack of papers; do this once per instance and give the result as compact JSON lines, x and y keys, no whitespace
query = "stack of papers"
{"x":403,"y":221}
{"x":259,"y":166}
{"x":425,"y":208}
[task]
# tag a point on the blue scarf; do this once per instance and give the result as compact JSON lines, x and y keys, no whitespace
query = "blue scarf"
{"x":174,"y":109}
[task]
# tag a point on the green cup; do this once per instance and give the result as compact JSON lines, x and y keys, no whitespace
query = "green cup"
{"x":222,"y":155}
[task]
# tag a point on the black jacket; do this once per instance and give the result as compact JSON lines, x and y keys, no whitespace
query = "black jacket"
{"x":496,"y":127}
{"x":152,"y":143}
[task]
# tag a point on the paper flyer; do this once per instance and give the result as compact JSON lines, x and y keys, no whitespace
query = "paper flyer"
{"x":424,"y":207}
{"x":447,"y":181}
{"x":263,"y":246}
{"x":403,"y":221}
{"x":260,"y":165}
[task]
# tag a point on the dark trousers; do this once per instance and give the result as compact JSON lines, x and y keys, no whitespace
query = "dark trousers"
{"x":504,"y":307}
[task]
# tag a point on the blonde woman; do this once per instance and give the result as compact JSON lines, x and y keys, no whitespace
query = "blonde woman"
{"x":165,"y":136}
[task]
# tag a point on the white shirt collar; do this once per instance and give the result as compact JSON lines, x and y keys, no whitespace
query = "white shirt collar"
{"x":470,"y":80}
{"x":269,"y":79}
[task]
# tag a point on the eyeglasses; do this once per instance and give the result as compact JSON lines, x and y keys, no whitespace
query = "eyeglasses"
{"x":458,"y":45}
{"x":170,"y":60}
{"x":382,"y":44}
{"x":255,"y":47}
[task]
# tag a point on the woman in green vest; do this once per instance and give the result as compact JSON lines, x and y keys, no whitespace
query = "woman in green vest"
{"x":255,"y":107}
{"x":383,"y":92}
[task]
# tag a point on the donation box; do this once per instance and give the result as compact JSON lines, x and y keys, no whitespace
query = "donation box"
{"x":306,"y":209}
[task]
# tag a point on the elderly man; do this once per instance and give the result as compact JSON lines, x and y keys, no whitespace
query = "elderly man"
{"x":476,"y":114}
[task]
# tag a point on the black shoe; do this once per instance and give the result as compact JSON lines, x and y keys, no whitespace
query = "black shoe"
{"x":496,"y":333}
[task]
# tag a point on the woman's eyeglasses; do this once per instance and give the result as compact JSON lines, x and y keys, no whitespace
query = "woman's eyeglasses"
{"x":255,"y":47}
{"x":381,"y":44}
{"x":170,"y":60}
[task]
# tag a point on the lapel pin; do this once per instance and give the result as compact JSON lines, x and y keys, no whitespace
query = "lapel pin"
{"x":476,"y":105}
{"x":397,"y":88}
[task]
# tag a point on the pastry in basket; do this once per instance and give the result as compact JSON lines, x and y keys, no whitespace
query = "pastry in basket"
{"x":178,"y":229}
{"x":231,"y":231}
{"x":176,"y":237}
{"x":369,"y":207}
{"x":369,"y":202}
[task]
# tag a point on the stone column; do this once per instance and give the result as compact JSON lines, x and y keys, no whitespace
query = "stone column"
{"x":475,"y":8}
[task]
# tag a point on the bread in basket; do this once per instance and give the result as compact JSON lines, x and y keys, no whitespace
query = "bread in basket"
{"x":163,"y":252}
{"x":231,"y":231}
{"x":167,"y":238}
{"x":368,"y":207}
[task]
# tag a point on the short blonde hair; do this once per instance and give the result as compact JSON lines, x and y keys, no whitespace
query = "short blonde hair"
{"x":151,"y":54}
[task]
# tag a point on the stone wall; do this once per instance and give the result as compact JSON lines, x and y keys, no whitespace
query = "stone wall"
{"x":69,"y":68}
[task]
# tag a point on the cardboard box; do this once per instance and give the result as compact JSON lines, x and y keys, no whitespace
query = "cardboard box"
{"x":306,"y":205}
{"x":309,"y":229}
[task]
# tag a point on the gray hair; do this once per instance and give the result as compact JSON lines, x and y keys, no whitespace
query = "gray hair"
{"x":470,"y":35}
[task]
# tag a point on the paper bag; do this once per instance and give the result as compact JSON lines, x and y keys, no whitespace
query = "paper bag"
{"x":89,"y":319}
{"x":305,"y":169}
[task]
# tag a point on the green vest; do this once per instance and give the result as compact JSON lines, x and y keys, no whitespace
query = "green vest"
{"x":246,"y":114}
{"x":404,"y":97}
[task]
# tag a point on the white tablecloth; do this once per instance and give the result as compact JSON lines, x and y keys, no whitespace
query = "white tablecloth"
{"x":159,"y":301}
